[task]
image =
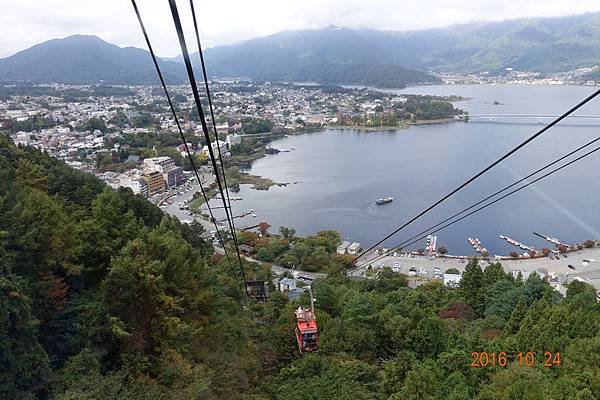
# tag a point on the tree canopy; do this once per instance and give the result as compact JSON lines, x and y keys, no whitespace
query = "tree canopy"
{"x":102,"y":296}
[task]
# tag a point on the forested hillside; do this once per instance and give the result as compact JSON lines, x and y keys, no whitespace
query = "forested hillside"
{"x":102,"y":296}
{"x":83,"y":59}
{"x":527,"y":44}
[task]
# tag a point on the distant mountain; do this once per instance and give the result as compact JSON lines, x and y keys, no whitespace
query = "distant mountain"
{"x":530,"y":44}
{"x":338,"y":55}
{"x":332,"y":55}
{"x":328,"y":56}
{"x":86,"y":59}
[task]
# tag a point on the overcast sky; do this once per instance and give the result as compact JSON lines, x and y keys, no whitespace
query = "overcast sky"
{"x":26,"y":22}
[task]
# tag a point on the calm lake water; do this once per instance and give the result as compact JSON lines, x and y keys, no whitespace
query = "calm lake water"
{"x":342,"y":173}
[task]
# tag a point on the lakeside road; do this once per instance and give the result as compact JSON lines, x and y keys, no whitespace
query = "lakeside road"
{"x":184,"y":215}
{"x":280,"y":270}
{"x":589,"y":272}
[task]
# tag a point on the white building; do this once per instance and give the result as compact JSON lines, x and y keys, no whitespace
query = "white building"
{"x":353,"y":248}
{"x":216,"y":145}
{"x":287,"y":284}
{"x":341,"y":249}
{"x":233,"y":139}
{"x":452,"y":280}
{"x":132,"y":183}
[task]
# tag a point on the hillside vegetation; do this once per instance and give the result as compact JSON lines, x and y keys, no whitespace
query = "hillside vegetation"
{"x":102,"y":296}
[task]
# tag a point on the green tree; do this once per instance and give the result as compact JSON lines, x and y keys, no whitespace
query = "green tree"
{"x":471,"y":286}
{"x":287,"y":233}
{"x":583,"y":290}
{"x":492,"y":274}
{"x":517,"y":315}
{"x":23,"y":361}
{"x":422,"y":382}
{"x":429,"y":337}
{"x":93,"y":124}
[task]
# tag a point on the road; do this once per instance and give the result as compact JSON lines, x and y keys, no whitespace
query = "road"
{"x":184,"y":215}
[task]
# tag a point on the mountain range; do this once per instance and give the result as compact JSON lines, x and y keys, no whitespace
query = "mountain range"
{"x":332,"y":55}
{"x":82,"y":59}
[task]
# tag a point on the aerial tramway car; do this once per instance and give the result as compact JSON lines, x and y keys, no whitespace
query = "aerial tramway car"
{"x":257,"y":290}
{"x":306,"y":328}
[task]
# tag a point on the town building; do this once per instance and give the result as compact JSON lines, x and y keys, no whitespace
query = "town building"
{"x":286,"y":284}
{"x":233,"y":139}
{"x":343,"y":247}
{"x":154,"y":182}
{"x":216,"y":146}
{"x":248,"y":250}
{"x":452,"y":280}
{"x":354,"y":248}
{"x":171,"y":174}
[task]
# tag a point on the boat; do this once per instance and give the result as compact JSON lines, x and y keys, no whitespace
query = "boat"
{"x":384,"y":200}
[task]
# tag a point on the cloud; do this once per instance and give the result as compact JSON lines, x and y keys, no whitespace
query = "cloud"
{"x":27,"y":22}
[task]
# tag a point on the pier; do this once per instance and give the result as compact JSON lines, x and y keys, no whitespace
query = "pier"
{"x":476,"y":243}
{"x":242,"y":215}
{"x":518,"y":244}
{"x":230,"y":198}
{"x":262,"y":226}
{"x":431,"y":245}
{"x":552,"y":240}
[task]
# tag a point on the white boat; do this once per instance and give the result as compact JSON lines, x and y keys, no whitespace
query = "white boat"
{"x":384,"y":200}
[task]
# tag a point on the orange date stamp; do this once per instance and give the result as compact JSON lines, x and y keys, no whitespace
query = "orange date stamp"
{"x":525,"y":359}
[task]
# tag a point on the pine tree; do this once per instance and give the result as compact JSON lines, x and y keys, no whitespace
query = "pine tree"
{"x":492,"y":274}
{"x":471,"y":286}
{"x":512,"y":326}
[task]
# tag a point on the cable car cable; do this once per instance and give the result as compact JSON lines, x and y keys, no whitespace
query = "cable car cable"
{"x":477,"y":175}
{"x":404,"y":244}
{"x":210,"y":105}
{"x":176,"y":119}
{"x":214,"y":125}
{"x":190,"y":72}
{"x":505,"y":196}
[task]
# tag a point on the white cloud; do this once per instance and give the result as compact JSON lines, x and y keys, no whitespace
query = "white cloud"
{"x":27,"y":22}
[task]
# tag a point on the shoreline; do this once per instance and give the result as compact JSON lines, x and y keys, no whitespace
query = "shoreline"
{"x":247,"y":162}
{"x":403,"y":125}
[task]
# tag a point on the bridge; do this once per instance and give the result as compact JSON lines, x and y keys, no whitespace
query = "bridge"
{"x":515,"y":115}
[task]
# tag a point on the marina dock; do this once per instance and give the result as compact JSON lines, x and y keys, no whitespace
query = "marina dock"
{"x":242,"y":215}
{"x":476,"y":243}
{"x":552,"y":240}
{"x":430,"y":245}
{"x":517,"y":243}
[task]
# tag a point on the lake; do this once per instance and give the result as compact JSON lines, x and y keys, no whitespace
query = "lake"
{"x":340,"y":174}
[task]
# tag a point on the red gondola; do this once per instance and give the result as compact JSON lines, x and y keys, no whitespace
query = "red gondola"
{"x":306,"y":328}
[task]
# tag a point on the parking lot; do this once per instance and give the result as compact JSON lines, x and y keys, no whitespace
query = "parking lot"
{"x":583,"y":264}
